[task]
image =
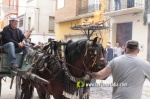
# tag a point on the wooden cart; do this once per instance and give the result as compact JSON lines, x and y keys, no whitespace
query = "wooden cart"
{"x":5,"y":71}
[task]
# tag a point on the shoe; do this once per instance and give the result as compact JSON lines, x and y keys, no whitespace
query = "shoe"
{"x":14,"y":66}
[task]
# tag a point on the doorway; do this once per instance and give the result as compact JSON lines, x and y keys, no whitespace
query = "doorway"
{"x":124,"y":33}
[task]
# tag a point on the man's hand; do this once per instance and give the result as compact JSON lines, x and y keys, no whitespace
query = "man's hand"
{"x":96,"y":75}
{"x":102,"y":74}
{"x":20,"y":45}
{"x":23,"y":43}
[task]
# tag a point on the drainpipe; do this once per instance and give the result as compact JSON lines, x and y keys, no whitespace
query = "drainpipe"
{"x":24,"y":22}
{"x":38,"y":17}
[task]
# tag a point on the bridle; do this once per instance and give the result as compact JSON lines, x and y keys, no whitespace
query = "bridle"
{"x":93,"y":56}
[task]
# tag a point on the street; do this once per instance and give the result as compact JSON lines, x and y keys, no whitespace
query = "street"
{"x":8,"y":93}
{"x":96,"y":92}
{"x":105,"y":92}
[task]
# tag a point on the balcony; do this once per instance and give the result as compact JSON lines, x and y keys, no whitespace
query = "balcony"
{"x":88,"y":9}
{"x":122,"y":7}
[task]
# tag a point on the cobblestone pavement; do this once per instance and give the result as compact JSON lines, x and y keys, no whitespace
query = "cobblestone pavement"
{"x":105,"y":92}
{"x":96,"y":92}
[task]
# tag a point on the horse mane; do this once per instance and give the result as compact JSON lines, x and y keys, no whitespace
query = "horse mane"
{"x":74,"y":49}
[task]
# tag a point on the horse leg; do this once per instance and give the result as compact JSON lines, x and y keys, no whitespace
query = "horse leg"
{"x":42,"y":95}
{"x":27,"y":89}
{"x":57,"y":88}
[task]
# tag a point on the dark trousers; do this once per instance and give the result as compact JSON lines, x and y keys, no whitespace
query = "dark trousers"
{"x":117,"y":4}
{"x":130,"y":3}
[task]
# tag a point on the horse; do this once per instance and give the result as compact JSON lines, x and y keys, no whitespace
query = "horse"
{"x":64,"y":72}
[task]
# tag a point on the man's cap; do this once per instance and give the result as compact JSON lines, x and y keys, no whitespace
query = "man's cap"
{"x":108,"y":44}
{"x":132,"y":44}
{"x":13,"y":17}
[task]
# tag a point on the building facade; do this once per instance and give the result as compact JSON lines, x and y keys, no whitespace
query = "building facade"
{"x":40,"y":15}
{"x":126,"y":23}
{"x":1,"y":16}
{"x":10,"y":7}
{"x":70,"y":13}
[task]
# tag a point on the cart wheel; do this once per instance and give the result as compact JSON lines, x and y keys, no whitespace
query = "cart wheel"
{"x":18,"y":87}
{"x":42,"y":95}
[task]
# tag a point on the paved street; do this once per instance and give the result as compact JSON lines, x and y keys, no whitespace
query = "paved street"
{"x":105,"y":92}
{"x":96,"y":92}
{"x":8,"y":93}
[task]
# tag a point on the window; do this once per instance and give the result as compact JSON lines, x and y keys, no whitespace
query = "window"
{"x":60,"y":4}
{"x":51,"y":24}
{"x":12,"y":4}
{"x":93,"y":5}
{"x":21,"y":22}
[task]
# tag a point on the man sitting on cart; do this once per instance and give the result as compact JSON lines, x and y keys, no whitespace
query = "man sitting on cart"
{"x":14,"y":41}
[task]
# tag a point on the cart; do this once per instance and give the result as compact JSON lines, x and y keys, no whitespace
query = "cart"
{"x":24,"y":72}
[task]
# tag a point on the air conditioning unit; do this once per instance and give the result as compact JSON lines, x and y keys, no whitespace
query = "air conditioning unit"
{"x":148,"y":18}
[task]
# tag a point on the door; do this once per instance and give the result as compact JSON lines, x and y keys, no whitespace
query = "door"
{"x":124,"y":33}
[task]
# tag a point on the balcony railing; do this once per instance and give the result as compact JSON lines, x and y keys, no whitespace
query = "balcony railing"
{"x":88,"y":9}
{"x":114,"y":5}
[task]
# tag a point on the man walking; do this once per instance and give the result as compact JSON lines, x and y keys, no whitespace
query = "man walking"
{"x":13,"y":41}
{"x":127,"y":69}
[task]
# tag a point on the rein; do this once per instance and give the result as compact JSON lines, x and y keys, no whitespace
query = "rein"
{"x":71,"y":65}
{"x":94,"y":61}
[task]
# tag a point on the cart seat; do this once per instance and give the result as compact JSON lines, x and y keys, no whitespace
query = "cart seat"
{"x":5,"y":62}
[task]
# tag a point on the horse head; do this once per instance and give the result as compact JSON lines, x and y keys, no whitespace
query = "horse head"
{"x":94,"y":56}
{"x":85,"y":55}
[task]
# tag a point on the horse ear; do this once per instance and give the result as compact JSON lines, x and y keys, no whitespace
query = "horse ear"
{"x":95,"y":40}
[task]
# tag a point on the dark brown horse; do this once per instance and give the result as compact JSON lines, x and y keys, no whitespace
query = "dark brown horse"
{"x":81,"y":58}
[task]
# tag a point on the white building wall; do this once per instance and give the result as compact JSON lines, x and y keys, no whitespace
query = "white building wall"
{"x":39,"y":11}
{"x":21,"y":13}
{"x":46,"y":9}
{"x":31,"y":12}
{"x":139,"y":31}
{"x":22,"y":28}
{"x":21,"y":7}
{"x":35,"y":38}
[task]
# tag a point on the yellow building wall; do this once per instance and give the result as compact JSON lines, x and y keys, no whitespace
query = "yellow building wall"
{"x":62,"y":29}
{"x":2,"y":24}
